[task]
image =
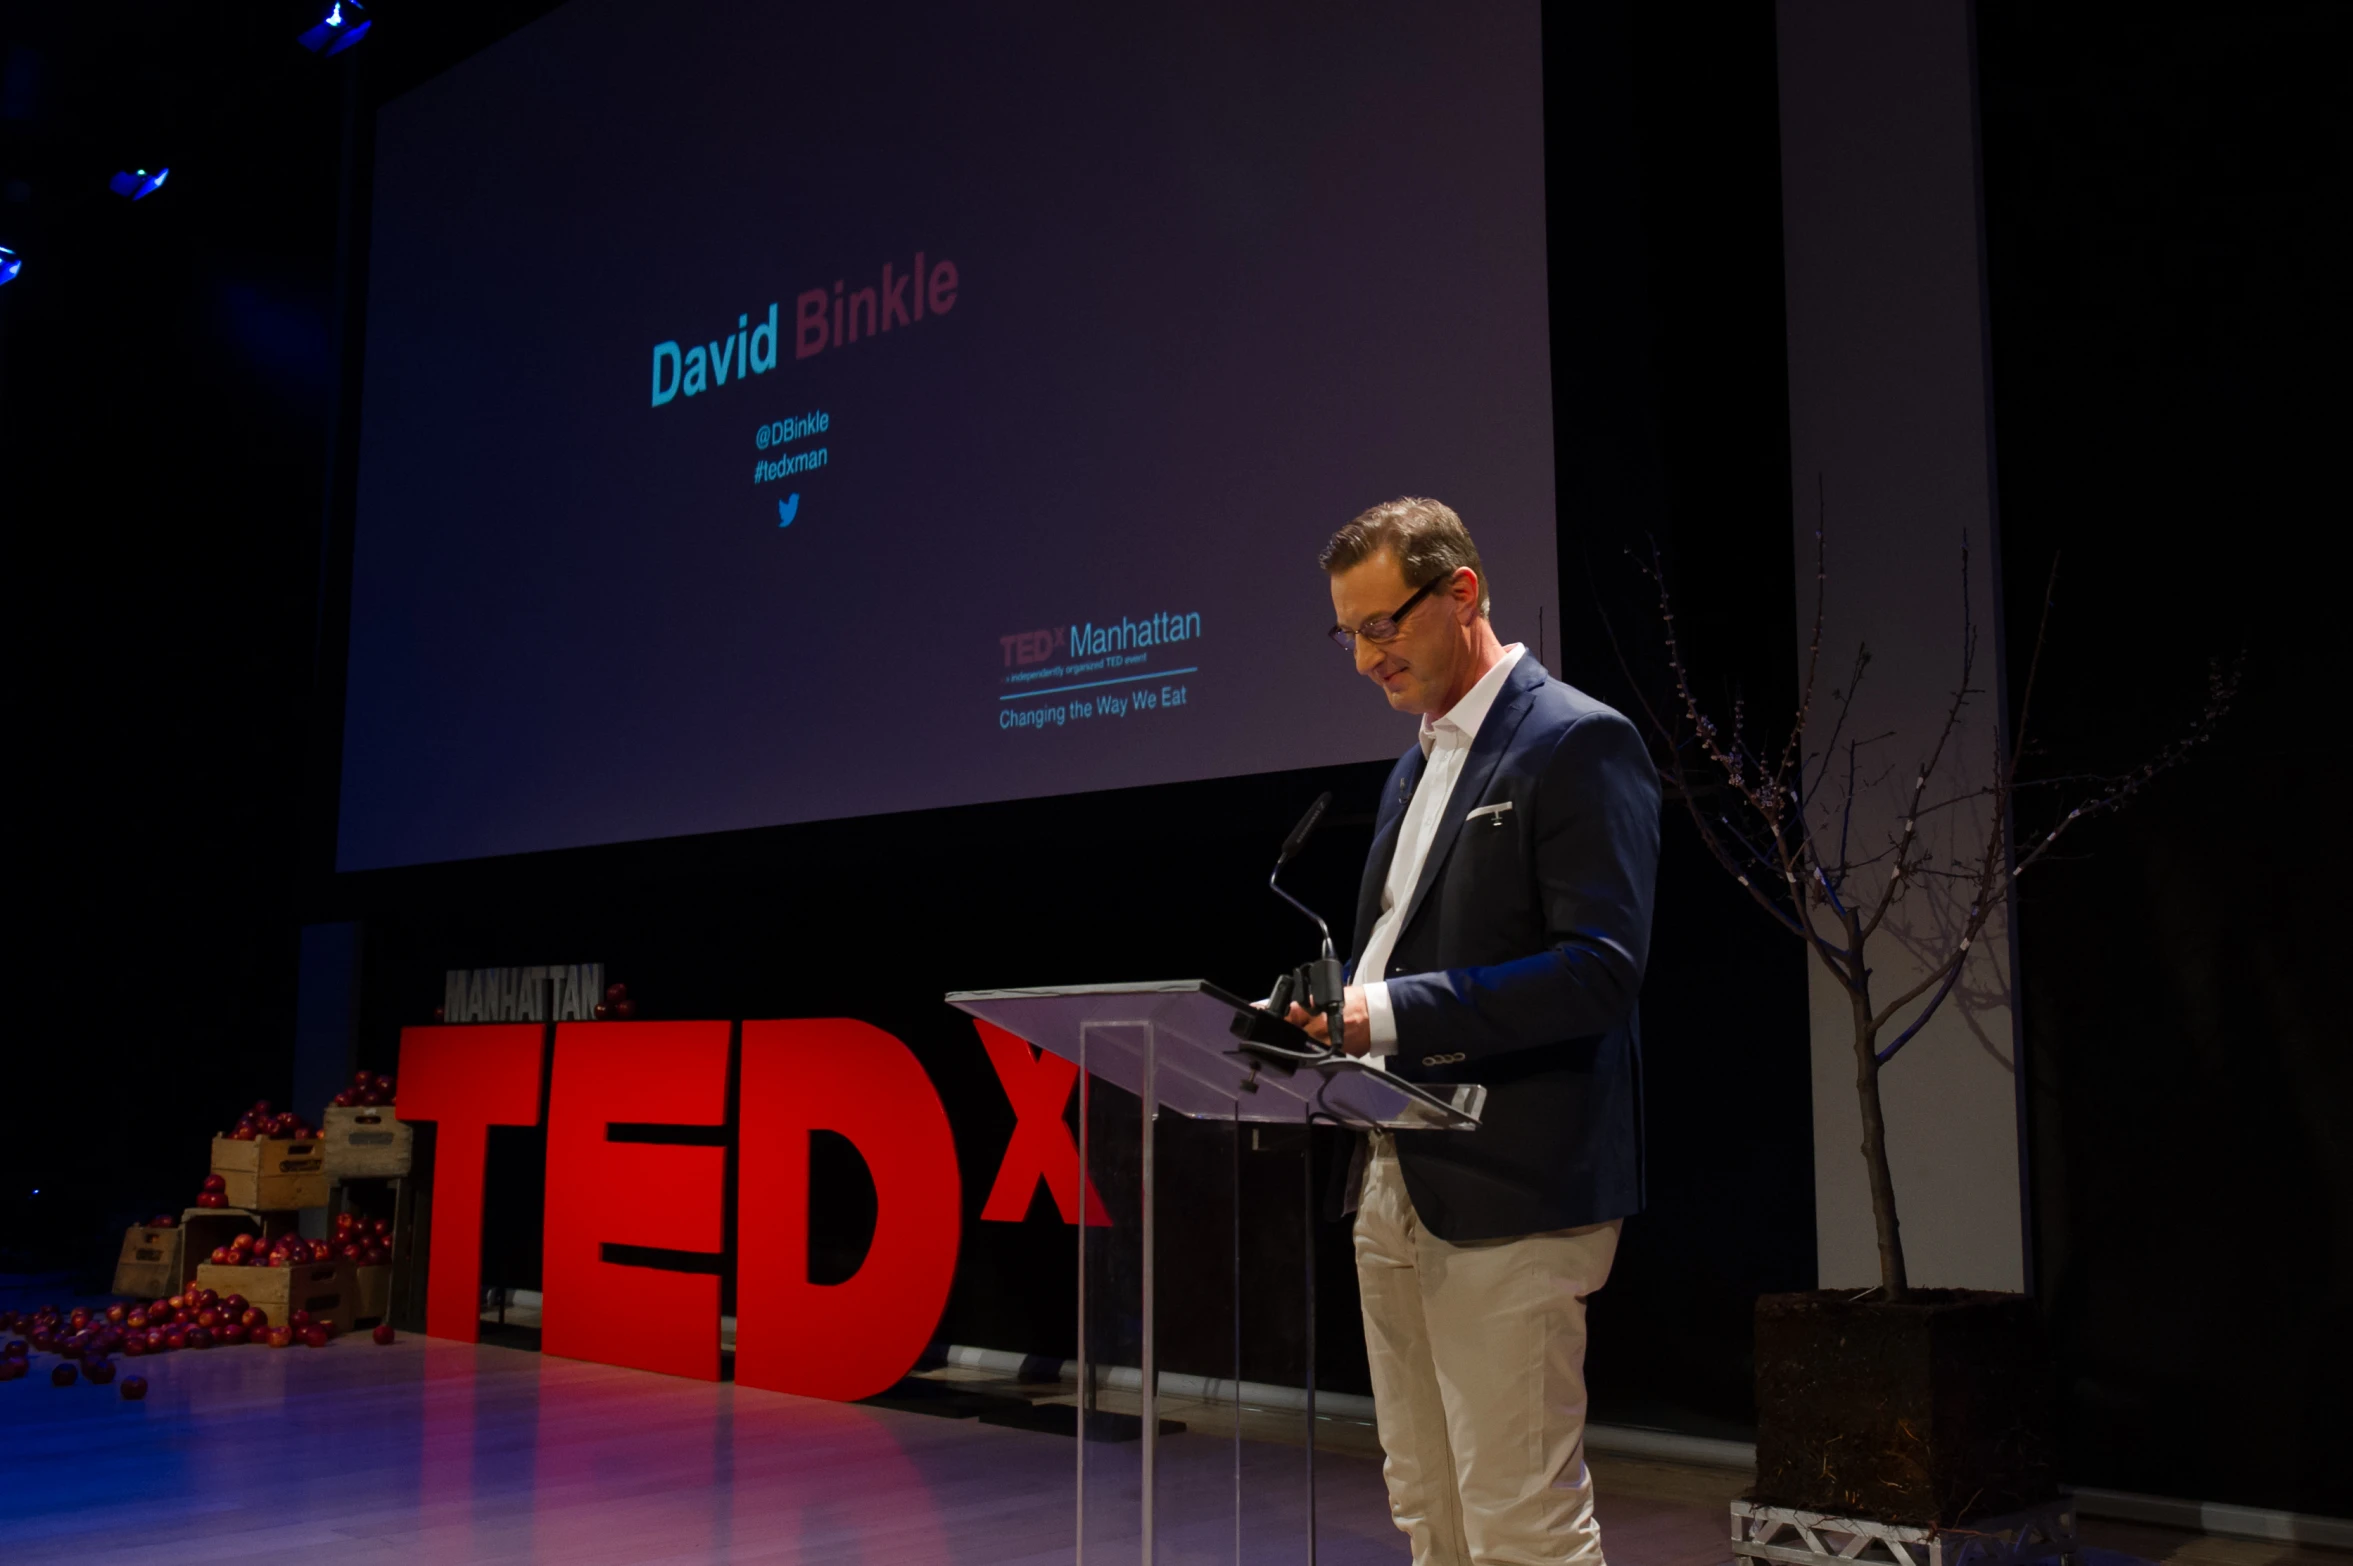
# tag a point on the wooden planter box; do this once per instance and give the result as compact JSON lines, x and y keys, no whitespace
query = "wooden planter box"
{"x":270,"y":1175}
{"x":326,"y":1289}
{"x":366,"y":1144}
{"x":1930,"y":1411}
{"x":150,"y":1263}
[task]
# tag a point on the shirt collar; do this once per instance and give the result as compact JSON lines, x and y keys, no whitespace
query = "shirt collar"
{"x":1460,"y":724}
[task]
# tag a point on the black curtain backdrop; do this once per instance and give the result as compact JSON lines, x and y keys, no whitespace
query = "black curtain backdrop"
{"x":2165,"y":191}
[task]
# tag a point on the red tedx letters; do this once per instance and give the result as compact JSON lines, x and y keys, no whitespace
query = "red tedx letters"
{"x":661,"y":1187}
{"x":465,"y":1080}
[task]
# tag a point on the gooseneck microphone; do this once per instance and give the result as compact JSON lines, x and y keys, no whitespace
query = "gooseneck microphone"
{"x":1319,"y":985}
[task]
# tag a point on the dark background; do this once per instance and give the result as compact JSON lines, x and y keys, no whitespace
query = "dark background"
{"x":2165,"y":328}
{"x":2164,"y":198}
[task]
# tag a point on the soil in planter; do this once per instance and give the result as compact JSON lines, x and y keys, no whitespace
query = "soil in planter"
{"x":1933,"y":1410}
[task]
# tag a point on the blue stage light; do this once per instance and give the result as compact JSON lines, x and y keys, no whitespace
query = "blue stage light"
{"x":138,"y":183}
{"x":10,"y":264}
{"x":344,"y":24}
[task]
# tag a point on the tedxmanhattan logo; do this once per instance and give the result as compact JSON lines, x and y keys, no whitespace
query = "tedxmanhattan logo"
{"x":823,"y":319}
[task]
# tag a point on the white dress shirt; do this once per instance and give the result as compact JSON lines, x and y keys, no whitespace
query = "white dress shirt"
{"x":1446,"y":743}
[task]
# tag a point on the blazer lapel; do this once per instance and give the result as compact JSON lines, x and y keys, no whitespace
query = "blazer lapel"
{"x":1478,"y":770}
{"x":1389,"y":819}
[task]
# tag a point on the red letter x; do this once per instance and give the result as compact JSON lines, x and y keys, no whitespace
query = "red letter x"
{"x":1038,"y":1084}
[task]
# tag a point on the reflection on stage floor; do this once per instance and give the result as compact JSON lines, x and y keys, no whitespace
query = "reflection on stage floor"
{"x":426,"y":1451}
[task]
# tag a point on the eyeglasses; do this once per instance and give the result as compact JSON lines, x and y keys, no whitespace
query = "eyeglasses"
{"x":1382,"y":631}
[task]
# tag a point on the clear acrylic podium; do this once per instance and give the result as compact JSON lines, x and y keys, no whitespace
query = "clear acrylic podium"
{"x":1196,"y":1299}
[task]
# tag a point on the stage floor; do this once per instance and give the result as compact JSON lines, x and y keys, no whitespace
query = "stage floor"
{"x":435,"y":1452}
{"x":430,"y":1452}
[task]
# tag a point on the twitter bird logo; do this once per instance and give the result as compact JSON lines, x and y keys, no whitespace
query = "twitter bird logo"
{"x":788,"y":508}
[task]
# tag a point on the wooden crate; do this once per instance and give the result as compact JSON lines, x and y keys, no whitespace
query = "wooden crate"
{"x":151,"y":1262}
{"x":367,"y":1144}
{"x":327,"y":1290}
{"x":372,"y":1295}
{"x":208,"y":1228}
{"x":270,"y":1174}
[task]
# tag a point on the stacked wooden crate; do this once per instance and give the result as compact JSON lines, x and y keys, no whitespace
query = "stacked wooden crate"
{"x":369,"y":1143}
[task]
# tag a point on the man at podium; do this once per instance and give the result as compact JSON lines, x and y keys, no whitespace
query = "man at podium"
{"x":1501,"y":932}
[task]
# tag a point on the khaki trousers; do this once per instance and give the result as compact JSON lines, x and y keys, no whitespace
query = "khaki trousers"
{"x":1478,"y":1362}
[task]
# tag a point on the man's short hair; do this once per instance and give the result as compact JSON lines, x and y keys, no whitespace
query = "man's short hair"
{"x":1424,"y":537}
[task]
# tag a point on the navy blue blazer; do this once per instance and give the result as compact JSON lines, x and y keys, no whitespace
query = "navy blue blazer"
{"x":1519,"y":962}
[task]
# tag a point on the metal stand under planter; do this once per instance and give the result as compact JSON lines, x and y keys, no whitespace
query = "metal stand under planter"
{"x":1783,"y":1533}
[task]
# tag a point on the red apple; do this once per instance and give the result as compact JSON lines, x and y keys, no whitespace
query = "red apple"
{"x":200,"y":1337}
{"x":177,"y":1338}
{"x":235,"y":1332}
{"x":162,"y":1221}
{"x":64,"y":1376}
{"x":211,"y":1199}
{"x":281,"y":1337}
{"x":245,"y":1134}
{"x":136,"y":1321}
{"x":215,"y":1182}
{"x":100,"y":1371}
{"x":234,"y":1304}
{"x":134,"y":1388}
{"x":116,"y":1313}
{"x":314,"y":1336}
{"x":383,"y":1332}
{"x":135,"y":1345}
{"x":11,"y":1369}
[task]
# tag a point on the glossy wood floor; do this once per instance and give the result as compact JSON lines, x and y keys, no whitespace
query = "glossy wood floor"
{"x":424,"y":1452}
{"x":430,"y":1452}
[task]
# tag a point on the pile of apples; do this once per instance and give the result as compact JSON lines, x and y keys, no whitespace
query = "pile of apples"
{"x":16,"y":1362}
{"x":367,"y":1091}
{"x":261,"y":1121}
{"x":197,"y":1319}
{"x":367,"y":1241}
{"x":287,"y":1250}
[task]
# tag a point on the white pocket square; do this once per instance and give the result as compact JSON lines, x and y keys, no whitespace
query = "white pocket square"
{"x":1495,"y":810}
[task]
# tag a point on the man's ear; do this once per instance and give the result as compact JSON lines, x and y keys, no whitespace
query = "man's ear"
{"x":1464,"y":590}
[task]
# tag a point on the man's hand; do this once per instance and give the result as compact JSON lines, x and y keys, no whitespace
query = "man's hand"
{"x":1355,"y":1022}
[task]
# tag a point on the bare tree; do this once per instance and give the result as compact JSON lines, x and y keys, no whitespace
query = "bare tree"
{"x":1783,"y":823}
